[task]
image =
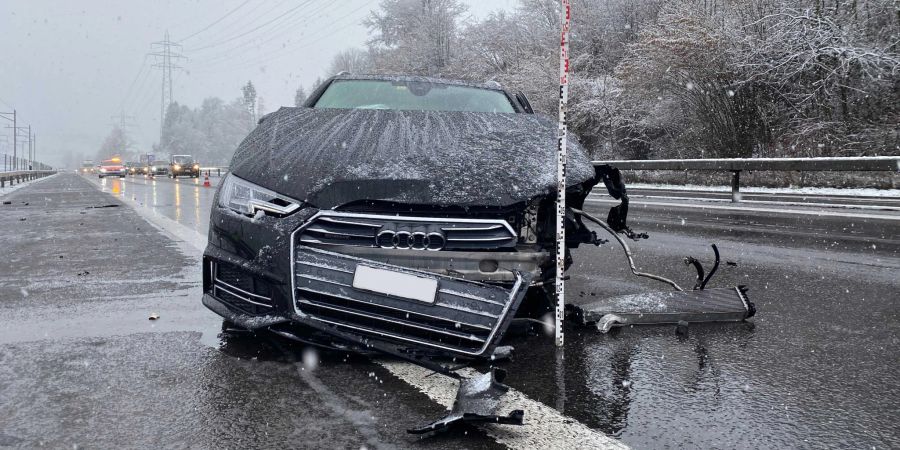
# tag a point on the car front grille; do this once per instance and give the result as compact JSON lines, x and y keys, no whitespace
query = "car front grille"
{"x":239,"y":289}
{"x":465,"y":317}
{"x":413,"y":233}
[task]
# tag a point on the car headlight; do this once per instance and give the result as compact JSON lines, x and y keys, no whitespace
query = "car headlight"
{"x":196,"y":166}
{"x":153,"y":168}
{"x":177,"y":167}
{"x":103,"y":170}
{"x":247,"y":198}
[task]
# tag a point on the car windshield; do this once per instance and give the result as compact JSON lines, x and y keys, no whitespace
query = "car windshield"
{"x":159,"y":163}
{"x":182,"y":159}
{"x":412,"y":96}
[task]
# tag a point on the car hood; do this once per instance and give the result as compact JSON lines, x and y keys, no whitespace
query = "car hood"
{"x":330,"y":157}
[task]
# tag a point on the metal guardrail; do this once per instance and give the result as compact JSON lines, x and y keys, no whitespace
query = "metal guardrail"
{"x":21,"y":176}
{"x":214,"y":170}
{"x":737,"y":165}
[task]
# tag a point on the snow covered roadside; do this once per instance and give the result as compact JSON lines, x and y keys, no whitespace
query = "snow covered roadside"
{"x":9,"y":189}
{"x":861,"y":192}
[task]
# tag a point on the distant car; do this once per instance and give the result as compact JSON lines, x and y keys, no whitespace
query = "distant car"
{"x":133,"y":168}
{"x":181,"y":165}
{"x":87,"y":168}
{"x":158,"y":168}
{"x":112,"y":167}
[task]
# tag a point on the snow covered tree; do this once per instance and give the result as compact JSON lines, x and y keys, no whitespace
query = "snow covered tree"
{"x":115,"y":143}
{"x":414,"y":36}
{"x":249,"y":92}
{"x":351,"y":60}
{"x":300,"y":96}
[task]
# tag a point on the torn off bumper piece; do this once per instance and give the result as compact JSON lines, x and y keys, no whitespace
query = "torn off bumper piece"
{"x":342,"y":298}
{"x":477,"y":401}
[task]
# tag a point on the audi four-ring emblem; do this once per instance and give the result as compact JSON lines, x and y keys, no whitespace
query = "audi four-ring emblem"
{"x":413,"y":240}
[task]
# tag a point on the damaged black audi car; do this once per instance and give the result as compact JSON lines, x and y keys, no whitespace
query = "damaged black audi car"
{"x":403,"y":215}
{"x":414,"y":217}
{"x":413,"y":211}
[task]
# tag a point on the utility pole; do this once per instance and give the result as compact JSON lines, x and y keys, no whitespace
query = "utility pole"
{"x":6,"y":115}
{"x":30,"y":159}
{"x":123,"y":121}
{"x":15,"y":142}
{"x":15,"y":145}
{"x":167,"y":54}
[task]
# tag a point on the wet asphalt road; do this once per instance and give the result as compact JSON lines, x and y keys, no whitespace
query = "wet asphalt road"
{"x":81,"y":364}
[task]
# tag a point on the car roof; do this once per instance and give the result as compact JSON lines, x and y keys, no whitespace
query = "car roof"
{"x":494,"y":86}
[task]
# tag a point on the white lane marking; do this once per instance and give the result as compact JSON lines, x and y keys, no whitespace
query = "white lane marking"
{"x":768,"y":202}
{"x":766,"y":210}
{"x":544,"y":426}
{"x":168,"y":226}
{"x":165,"y":224}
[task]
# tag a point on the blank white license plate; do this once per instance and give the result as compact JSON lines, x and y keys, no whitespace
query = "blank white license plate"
{"x":396,"y":284}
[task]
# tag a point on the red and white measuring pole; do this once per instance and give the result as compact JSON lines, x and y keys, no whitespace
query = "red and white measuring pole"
{"x":561,"y":171}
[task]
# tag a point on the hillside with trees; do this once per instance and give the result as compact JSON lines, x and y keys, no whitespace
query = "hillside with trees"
{"x":675,"y":79}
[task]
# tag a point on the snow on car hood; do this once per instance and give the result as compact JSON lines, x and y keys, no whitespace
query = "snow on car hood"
{"x":330,"y":157}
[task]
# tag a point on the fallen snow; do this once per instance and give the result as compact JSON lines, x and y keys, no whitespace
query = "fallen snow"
{"x":854,"y":192}
{"x":9,"y":189}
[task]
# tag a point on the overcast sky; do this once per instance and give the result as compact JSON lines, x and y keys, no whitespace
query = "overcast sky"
{"x":68,"y":67}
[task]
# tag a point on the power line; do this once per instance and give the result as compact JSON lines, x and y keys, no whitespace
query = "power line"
{"x":139,"y":91}
{"x":247,"y":19}
{"x":136,"y":76}
{"x":215,"y":22}
{"x":288,"y":50}
{"x":253,"y":29}
{"x":249,"y":45}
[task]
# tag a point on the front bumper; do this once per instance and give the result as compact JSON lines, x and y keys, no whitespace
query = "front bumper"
{"x":185,"y":172}
{"x":255,"y":283}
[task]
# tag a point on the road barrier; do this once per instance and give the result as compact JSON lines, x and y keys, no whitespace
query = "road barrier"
{"x":14,"y":164}
{"x":22,"y":176}
{"x":738,"y":165}
{"x":214,"y":170}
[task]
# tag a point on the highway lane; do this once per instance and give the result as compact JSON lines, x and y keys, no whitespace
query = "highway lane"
{"x":83,"y":367}
{"x":184,"y":200}
{"x":815,"y":367}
